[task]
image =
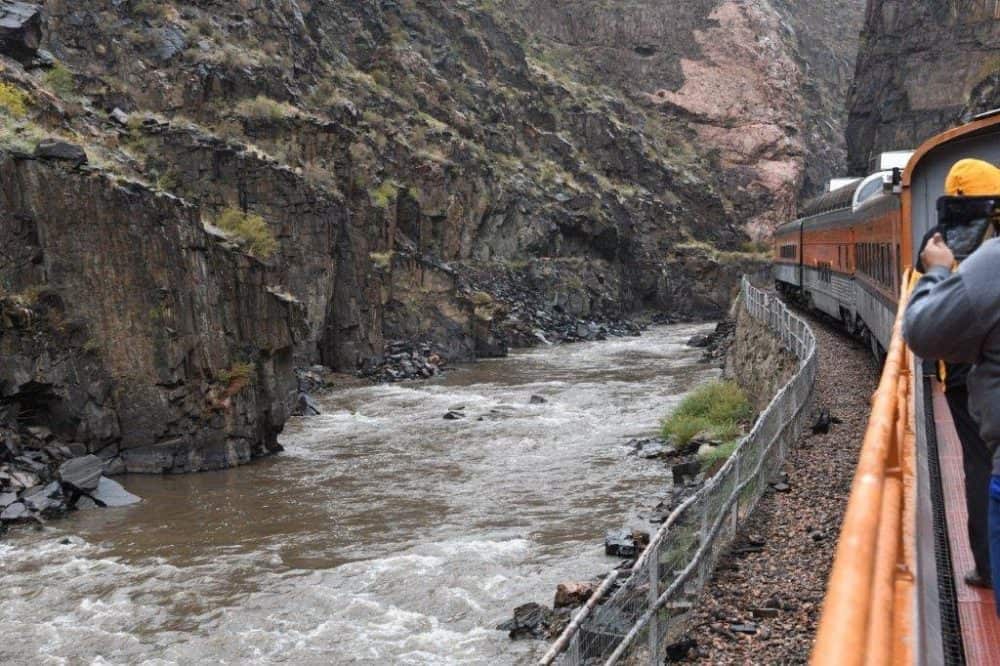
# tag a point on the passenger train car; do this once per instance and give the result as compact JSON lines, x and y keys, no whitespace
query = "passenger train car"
{"x":896,"y":593}
{"x":843,"y":256}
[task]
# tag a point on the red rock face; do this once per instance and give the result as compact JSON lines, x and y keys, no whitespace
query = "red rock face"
{"x":742,"y":97}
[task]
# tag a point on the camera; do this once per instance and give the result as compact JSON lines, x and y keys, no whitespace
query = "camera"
{"x":967,"y":222}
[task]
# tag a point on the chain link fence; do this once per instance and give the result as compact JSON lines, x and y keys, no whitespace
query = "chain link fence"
{"x":652,"y":608}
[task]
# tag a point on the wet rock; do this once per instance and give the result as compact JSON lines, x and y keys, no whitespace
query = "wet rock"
{"x":6,"y":499}
{"x":699,"y":341}
{"x":82,"y":474}
{"x":111,"y":494}
{"x":20,"y":30}
{"x":305,"y":406}
{"x":45,"y":499}
{"x":686,"y":471}
{"x":620,"y":543}
{"x":537,"y":400}
{"x":571,"y":595}
{"x":649,"y":448}
{"x":52,"y":149}
{"x":531,"y":621}
{"x":453,"y":416}
{"x":15,"y":511}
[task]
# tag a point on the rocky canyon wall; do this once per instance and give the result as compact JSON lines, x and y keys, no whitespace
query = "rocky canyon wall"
{"x":267,"y":184}
{"x":923,"y":67}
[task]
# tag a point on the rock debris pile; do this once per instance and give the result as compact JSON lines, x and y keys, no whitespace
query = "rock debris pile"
{"x":42,"y":479}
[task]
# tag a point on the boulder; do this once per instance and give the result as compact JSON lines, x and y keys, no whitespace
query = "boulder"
{"x":570,"y":595}
{"x":619,"y":543}
{"x":52,"y":149}
{"x":82,"y":474}
{"x":684,"y":471}
{"x":15,"y":511}
{"x":533,"y":621}
{"x":537,"y":400}
{"x":111,"y":494}
{"x":699,"y":341}
{"x":305,"y":406}
{"x":20,"y":30}
{"x":6,"y":499}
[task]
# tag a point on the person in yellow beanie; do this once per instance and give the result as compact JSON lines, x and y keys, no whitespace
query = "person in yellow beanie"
{"x":933,"y":305}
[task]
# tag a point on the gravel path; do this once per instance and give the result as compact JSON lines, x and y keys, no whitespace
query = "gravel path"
{"x":777,"y":588}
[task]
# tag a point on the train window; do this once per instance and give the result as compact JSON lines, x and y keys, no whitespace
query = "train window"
{"x":788,"y":251}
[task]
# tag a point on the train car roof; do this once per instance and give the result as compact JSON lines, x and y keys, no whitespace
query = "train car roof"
{"x":840,"y":198}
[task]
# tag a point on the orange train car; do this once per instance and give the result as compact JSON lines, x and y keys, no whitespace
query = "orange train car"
{"x":843,"y":256}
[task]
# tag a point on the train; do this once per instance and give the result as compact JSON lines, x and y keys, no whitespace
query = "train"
{"x":846,"y":254}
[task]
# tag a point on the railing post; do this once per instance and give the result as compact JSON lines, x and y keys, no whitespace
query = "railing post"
{"x":653,"y":562}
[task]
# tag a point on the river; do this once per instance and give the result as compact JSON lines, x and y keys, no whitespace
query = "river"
{"x":384,"y":534}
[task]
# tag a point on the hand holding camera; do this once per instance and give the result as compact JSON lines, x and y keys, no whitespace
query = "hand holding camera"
{"x":937,"y":253}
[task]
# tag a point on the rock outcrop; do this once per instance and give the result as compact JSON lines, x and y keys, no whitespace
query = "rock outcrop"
{"x":923,"y":67}
{"x":131,"y":330}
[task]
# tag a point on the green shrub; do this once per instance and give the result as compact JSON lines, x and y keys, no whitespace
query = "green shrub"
{"x":61,"y":80}
{"x":251,"y":230}
{"x":13,"y":100}
{"x":384,"y":194}
{"x":717,"y":408}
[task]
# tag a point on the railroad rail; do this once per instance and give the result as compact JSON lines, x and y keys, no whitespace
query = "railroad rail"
{"x":868,"y":614}
{"x":637,"y":620}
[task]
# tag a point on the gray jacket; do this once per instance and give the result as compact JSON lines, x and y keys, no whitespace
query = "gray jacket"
{"x":956,"y":318}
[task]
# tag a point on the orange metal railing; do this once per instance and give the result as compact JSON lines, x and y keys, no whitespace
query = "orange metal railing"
{"x":868,"y":612}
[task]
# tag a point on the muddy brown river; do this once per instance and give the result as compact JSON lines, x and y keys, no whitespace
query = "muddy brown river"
{"x":383,"y":535}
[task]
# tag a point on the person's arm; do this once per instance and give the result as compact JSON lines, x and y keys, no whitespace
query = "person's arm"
{"x":940,"y":320}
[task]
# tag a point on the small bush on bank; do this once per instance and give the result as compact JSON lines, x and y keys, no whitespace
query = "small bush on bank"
{"x":717,"y":408}
{"x":251,"y":230}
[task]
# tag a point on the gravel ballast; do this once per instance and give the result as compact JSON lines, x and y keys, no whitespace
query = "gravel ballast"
{"x":764,"y":601}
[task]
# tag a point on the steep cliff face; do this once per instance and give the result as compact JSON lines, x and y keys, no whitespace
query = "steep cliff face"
{"x":387,"y":171}
{"x":760,"y":84}
{"x":131,"y":330}
{"x":923,"y":67}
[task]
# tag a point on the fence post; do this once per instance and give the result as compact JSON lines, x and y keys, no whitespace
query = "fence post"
{"x":654,"y":595}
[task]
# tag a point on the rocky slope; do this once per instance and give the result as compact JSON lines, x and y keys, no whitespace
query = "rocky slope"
{"x":923,"y":67}
{"x":277,"y":183}
{"x":759,"y":85}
